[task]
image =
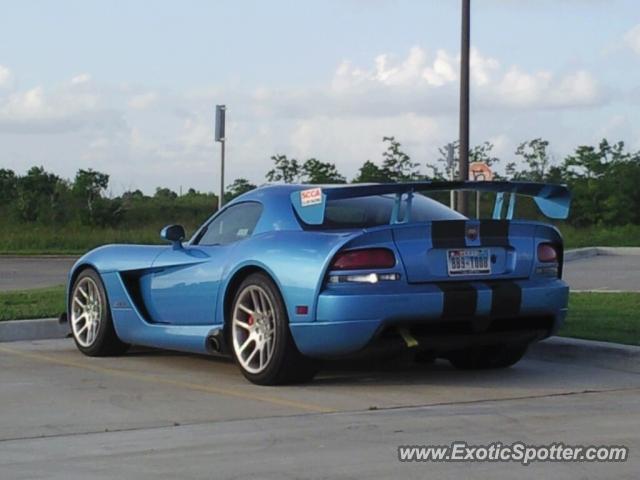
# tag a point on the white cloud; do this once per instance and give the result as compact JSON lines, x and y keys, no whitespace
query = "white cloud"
{"x":143,"y":100}
{"x":632,"y":39}
{"x":442,"y":71}
{"x":426,"y":79}
{"x":80,"y":79}
{"x":61,"y":109}
{"x":5,"y":77}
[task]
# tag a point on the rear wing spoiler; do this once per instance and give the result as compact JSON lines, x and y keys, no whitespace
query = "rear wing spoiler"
{"x":552,"y":200}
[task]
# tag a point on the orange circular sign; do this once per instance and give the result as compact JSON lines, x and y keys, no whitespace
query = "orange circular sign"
{"x":480,"y":172}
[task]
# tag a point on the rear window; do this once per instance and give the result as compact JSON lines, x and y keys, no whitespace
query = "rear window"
{"x":365,"y":212}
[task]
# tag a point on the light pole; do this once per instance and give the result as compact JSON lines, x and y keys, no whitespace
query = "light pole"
{"x":220,"y":121}
{"x":463,"y":197}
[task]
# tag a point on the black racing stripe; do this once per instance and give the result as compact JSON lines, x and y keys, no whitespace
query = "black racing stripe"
{"x":448,"y":234}
{"x":506,"y":298}
{"x":494,"y":233}
{"x":460,"y":299}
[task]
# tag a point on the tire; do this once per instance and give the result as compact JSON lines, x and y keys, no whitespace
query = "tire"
{"x":90,"y":317}
{"x":481,"y":358}
{"x":260,"y":337}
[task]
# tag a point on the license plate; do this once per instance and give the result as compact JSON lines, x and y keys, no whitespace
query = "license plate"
{"x":468,"y":261}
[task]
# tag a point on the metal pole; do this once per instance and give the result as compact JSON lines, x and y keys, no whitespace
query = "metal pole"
{"x":451,"y":164}
{"x":463,"y":198}
{"x":221,"y":201}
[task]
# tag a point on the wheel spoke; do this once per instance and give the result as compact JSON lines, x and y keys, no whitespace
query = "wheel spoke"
{"x":84,"y":294}
{"x":263,"y":307}
{"x":242,"y":324}
{"x":246,"y":310}
{"x":253,"y":354}
{"x":76,"y":320}
{"x":245,"y":344}
{"x":263,"y":355}
{"x":256,"y":302}
{"x":77,"y":301}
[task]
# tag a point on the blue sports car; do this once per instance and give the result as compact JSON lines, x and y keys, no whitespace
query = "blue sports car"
{"x":286,"y":275}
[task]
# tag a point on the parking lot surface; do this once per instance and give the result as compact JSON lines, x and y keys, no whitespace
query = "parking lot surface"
{"x":604,"y":272}
{"x":155,"y":414}
{"x":25,"y":272}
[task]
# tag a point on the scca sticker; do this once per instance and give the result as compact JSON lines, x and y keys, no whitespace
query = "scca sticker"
{"x":312,"y":196}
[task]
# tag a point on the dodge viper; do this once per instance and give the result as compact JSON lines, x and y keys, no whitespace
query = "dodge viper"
{"x":287,"y":275}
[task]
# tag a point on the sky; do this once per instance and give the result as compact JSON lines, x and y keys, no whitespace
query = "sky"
{"x":129,"y":88}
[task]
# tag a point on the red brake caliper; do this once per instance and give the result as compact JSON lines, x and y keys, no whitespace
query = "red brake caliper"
{"x":250,"y":320}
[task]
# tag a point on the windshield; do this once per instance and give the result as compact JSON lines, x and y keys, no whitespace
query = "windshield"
{"x":365,"y":212}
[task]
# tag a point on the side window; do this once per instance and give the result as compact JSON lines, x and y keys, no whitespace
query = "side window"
{"x":235,"y":223}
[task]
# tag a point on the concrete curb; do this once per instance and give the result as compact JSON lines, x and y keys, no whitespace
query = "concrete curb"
{"x":37,"y":329}
{"x":586,"y":252}
{"x":615,"y":356}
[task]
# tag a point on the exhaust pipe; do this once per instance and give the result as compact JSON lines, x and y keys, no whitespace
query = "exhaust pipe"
{"x":409,"y":340}
{"x":215,"y":341}
{"x":214,"y":344}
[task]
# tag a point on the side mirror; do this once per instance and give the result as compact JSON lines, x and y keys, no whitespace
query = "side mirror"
{"x":174,"y":234}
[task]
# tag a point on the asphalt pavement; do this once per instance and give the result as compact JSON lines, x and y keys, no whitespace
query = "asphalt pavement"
{"x":25,"y":272}
{"x":604,"y":272}
{"x":155,"y":414}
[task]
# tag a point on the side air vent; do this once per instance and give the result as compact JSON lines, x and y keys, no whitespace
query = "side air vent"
{"x":131,"y":282}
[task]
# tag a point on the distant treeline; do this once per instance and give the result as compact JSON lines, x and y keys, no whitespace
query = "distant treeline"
{"x":604,"y":180}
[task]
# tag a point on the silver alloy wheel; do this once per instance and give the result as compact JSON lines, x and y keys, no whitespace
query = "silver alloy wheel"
{"x":86,"y":311}
{"x":253,"y":329}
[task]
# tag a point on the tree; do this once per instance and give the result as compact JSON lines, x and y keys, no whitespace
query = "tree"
{"x":37,"y":193}
{"x":237,"y":188}
{"x":165,"y":193}
{"x":317,"y":172}
{"x":8,"y":185}
{"x":603,"y":181}
{"x":285,"y":170}
{"x":370,"y":173}
{"x":88,"y":187}
{"x":396,"y":164}
{"x":536,"y":159}
{"x":133,"y":195}
{"x":483,"y":153}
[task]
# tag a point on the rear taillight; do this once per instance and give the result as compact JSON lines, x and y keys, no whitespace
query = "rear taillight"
{"x":365,"y":259}
{"x":547,"y":253}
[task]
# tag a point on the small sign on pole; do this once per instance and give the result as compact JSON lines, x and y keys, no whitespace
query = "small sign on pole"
{"x":220,"y":137}
{"x":479,"y":172}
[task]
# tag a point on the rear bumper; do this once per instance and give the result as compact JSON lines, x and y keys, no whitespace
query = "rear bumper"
{"x":441,"y":317}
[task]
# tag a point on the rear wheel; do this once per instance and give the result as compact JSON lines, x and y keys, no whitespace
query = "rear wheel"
{"x":260,"y":336}
{"x":90,"y":317}
{"x":495,"y":356}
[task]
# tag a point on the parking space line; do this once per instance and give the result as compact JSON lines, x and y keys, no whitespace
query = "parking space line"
{"x":307,"y":407}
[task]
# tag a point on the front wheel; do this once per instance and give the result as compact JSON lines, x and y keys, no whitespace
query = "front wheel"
{"x":495,"y":356}
{"x":90,"y":317}
{"x":261,"y":340}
